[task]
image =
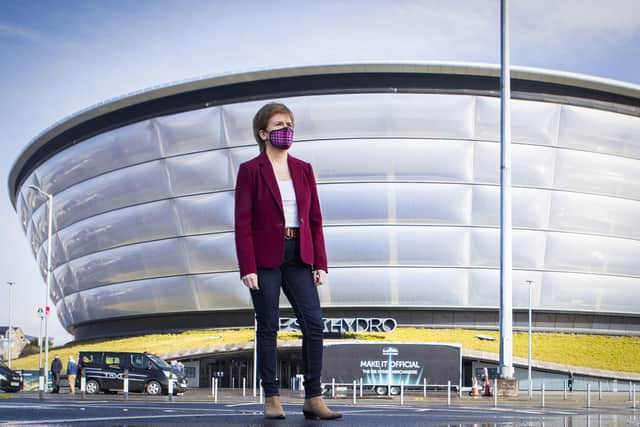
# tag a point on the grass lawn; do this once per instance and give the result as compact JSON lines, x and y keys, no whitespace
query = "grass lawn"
{"x":615,"y":353}
{"x":593,"y":351}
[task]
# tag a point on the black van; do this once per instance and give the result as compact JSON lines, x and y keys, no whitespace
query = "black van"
{"x":104,"y":371}
{"x":10,"y":381}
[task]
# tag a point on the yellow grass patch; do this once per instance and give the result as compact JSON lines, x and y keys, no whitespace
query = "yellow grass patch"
{"x":615,"y":353}
{"x":593,"y":351}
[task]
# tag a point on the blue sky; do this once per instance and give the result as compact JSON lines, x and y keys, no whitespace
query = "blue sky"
{"x":58,"y":57}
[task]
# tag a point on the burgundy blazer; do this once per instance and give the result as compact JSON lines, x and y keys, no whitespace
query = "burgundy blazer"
{"x":259,"y":216}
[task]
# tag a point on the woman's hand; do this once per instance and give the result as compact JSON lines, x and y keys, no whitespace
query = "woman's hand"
{"x":251,"y":281}
{"x":319,"y":277}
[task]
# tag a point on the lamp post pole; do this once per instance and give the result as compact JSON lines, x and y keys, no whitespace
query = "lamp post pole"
{"x":46,"y":295}
{"x":40,"y":369}
{"x":506,"y":239}
{"x":530,"y":282}
{"x":10,"y":320}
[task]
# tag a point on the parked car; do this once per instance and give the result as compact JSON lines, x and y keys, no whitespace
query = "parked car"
{"x":104,"y":371}
{"x":10,"y":381}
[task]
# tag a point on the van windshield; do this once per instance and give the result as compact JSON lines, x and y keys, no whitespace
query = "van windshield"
{"x":159,"y":362}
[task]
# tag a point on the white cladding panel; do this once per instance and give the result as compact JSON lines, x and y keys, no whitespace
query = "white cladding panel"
{"x":409,"y":189}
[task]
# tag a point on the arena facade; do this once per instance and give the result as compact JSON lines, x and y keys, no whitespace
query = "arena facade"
{"x":407,"y":162}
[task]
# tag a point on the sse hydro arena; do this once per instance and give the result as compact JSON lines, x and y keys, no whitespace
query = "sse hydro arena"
{"x":407,"y":163}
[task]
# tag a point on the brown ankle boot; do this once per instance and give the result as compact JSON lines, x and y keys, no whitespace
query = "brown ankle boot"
{"x":273,"y":408}
{"x":316,"y":408}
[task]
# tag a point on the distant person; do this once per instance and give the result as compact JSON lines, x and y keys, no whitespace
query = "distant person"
{"x":180,"y":367}
{"x":72,"y":371}
{"x":570,"y":381}
{"x":487,"y":384}
{"x":56,"y":370}
{"x":280,"y":245}
{"x":174,"y":366}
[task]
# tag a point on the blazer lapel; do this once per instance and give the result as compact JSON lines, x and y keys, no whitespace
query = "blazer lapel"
{"x":266,"y":171}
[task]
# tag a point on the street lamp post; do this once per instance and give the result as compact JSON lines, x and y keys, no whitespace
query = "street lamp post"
{"x":40,"y":369}
{"x":46,"y":295}
{"x":530,"y":282}
{"x":506,"y":208}
{"x":10,"y":321}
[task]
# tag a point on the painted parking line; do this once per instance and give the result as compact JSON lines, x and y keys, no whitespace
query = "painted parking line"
{"x":112,"y":418}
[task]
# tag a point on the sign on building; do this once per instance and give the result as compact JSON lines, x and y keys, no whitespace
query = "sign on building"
{"x":392,"y":363}
{"x":344,"y":325}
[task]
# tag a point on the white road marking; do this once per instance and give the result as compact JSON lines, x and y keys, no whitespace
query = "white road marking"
{"x":132,"y":417}
{"x":185,"y":410}
{"x":234,"y":405}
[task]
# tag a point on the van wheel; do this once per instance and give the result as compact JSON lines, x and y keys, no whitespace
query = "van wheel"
{"x":154,"y":388}
{"x":92,"y":387}
{"x":381,"y":390}
{"x":395,"y":391}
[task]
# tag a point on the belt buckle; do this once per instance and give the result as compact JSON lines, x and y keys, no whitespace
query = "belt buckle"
{"x":289,"y":234}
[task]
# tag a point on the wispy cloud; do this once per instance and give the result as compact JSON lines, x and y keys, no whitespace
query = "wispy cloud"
{"x":614,"y":18}
{"x":8,"y":30}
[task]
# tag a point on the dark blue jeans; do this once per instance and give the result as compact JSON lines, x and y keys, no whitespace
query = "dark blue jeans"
{"x":296,"y":280}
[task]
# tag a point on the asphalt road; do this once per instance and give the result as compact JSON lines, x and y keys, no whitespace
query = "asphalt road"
{"x":235,"y":410}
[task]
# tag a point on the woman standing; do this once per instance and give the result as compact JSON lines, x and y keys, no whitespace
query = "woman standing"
{"x":280,"y":243}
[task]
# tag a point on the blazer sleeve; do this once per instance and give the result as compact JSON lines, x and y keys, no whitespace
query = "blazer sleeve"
{"x":315,"y":224}
{"x":243,"y":222}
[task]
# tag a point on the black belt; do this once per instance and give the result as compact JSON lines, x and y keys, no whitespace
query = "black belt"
{"x":291,"y":233}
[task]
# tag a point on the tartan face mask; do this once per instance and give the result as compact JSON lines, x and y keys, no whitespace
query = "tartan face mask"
{"x":281,"y":138}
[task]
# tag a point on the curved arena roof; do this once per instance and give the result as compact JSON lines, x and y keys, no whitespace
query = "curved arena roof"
{"x":406,"y":157}
{"x":429,"y":77}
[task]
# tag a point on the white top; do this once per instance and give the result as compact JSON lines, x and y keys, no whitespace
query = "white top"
{"x":288,"y":194}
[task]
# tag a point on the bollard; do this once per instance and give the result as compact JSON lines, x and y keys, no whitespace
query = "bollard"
{"x":564,"y":384}
{"x":215,"y":398}
{"x":495,"y":392}
{"x":213,"y":387}
{"x":83,"y":384}
{"x":542,"y":395}
{"x":293,"y":383}
{"x":449,"y":393}
{"x":401,"y":393}
{"x":634,"y":397}
{"x":599,"y":390}
{"x":41,"y":383}
{"x":629,"y":390}
{"x":424,"y":390}
{"x":333,"y":388}
{"x":125,"y":386}
{"x":354,"y":392}
{"x":588,"y":395}
{"x":244,"y":387}
{"x":360,"y":387}
{"x":261,"y":394}
{"x":233,"y":383}
{"x":170,"y":391}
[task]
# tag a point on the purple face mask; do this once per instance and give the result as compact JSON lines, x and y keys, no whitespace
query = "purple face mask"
{"x":281,"y":138}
